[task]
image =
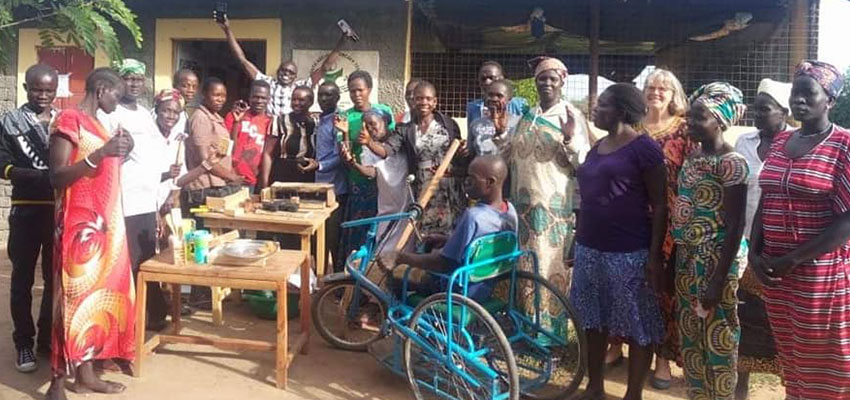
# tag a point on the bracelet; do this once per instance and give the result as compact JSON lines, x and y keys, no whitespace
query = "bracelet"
{"x":6,"y":171}
{"x":206,"y":165}
{"x":89,"y":163}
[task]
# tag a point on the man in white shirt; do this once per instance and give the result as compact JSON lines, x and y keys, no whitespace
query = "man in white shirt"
{"x":285,"y":83}
{"x":141,"y":175}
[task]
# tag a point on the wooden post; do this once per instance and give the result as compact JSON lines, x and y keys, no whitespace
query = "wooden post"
{"x":593,"y":76}
{"x":799,"y":35}
{"x":408,"y":43}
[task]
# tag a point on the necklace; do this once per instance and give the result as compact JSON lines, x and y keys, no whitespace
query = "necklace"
{"x":810,"y":135}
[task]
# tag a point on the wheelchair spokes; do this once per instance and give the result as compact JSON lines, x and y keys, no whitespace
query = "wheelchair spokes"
{"x":480,"y":363}
{"x":348,"y":315}
{"x":544,"y":335}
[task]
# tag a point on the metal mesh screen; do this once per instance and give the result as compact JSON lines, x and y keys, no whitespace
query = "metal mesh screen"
{"x":742,"y":62}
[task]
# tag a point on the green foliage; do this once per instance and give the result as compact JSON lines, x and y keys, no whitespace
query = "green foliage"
{"x":88,"y":24}
{"x":527,"y":89}
{"x":840,"y":114}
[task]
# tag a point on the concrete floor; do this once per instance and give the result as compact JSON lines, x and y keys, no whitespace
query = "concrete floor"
{"x":180,"y":371}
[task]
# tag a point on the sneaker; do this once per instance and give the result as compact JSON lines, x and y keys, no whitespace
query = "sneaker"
{"x":26,"y":360}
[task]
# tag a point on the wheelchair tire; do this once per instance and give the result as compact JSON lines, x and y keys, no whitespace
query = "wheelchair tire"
{"x":331,"y":322}
{"x":478,"y":330}
{"x":567,"y":362}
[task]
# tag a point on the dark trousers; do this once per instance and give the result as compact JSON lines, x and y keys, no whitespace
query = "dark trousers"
{"x":141,"y":242}
{"x":31,"y":233}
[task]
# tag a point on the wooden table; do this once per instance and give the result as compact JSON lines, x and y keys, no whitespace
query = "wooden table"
{"x":304,"y":227}
{"x":273,"y":276}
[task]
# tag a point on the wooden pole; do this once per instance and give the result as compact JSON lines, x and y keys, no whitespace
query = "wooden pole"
{"x":428,"y":191}
{"x":408,"y":42}
{"x":799,"y":40}
{"x":592,"y":83}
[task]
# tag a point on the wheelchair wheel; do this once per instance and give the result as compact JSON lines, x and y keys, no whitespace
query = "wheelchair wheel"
{"x":348,"y":316}
{"x":482,"y":365}
{"x":545,"y":334}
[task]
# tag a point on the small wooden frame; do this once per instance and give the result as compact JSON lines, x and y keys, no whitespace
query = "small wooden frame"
{"x":272,"y":277}
{"x":310,"y":194}
{"x":229,"y":202}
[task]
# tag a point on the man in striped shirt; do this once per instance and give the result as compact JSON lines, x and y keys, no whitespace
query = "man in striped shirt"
{"x":23,"y":161}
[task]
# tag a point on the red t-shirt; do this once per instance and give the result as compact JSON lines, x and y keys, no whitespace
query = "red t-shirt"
{"x":248,"y":146}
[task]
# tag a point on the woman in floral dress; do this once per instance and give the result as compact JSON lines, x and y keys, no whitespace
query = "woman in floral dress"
{"x":549,"y":143}
{"x":425,"y":140}
{"x":708,"y":226}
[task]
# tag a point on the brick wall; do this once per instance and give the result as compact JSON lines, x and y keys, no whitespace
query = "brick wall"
{"x":8,"y":96}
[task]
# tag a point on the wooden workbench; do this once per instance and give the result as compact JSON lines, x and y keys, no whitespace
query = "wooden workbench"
{"x":312,"y":222}
{"x":273,"y":276}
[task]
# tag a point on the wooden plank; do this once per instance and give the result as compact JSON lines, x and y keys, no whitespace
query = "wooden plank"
{"x":592,"y":90}
{"x":211,"y":281}
{"x":228,"y":202}
{"x":141,"y":300}
{"x":293,"y":226}
{"x":176,"y":309}
{"x":300,"y":342}
{"x":218,"y":295}
{"x":279,"y":266}
{"x":282,"y":357}
{"x":428,"y":191}
{"x":306,"y":301}
{"x":321,"y":251}
{"x":220,"y":343}
{"x":150,"y":345}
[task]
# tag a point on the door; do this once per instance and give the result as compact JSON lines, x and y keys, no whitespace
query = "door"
{"x":73,"y":65}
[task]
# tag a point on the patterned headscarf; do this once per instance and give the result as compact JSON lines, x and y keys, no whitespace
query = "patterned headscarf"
{"x":725,"y":102}
{"x":826,"y":75}
{"x":549,"y":63}
{"x":169,"y":95}
{"x":130,"y":66}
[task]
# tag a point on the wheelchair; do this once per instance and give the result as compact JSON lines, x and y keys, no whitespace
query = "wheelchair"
{"x":516,"y":336}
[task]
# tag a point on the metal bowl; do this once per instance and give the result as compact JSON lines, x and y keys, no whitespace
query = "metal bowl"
{"x":249,"y":249}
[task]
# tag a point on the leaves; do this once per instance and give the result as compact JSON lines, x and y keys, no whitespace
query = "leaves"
{"x":840,"y":114}
{"x":89,"y":24}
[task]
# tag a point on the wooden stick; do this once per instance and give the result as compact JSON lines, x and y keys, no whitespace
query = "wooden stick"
{"x":428,"y":191}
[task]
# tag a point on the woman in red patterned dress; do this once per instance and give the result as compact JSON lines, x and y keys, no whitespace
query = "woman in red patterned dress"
{"x":93,"y":311}
{"x":801,"y":240}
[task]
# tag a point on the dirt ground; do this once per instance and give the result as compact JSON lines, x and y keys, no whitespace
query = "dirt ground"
{"x":207,"y":373}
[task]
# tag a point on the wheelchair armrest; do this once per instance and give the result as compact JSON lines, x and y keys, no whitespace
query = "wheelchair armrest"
{"x":375,"y":220}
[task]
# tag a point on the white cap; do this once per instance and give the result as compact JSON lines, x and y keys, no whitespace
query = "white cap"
{"x":779,"y":91}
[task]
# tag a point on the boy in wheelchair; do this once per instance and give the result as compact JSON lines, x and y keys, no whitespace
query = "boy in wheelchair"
{"x":491,"y":214}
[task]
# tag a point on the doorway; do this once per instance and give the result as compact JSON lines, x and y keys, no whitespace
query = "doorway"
{"x":213,"y":58}
{"x":201,"y":41}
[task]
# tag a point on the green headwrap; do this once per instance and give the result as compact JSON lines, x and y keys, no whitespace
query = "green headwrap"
{"x":130,"y":66}
{"x":724,"y":101}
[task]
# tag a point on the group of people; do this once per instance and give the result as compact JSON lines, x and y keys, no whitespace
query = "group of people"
{"x":723,"y":259}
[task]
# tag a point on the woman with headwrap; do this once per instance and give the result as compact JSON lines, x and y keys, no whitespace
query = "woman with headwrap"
{"x":708,"y":224}
{"x":801,"y":240}
{"x":549,"y":143}
{"x":757,"y":350}
{"x":168,"y":106}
